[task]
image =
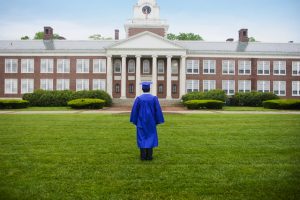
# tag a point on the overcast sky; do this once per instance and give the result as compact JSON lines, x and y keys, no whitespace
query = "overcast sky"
{"x":214,"y":20}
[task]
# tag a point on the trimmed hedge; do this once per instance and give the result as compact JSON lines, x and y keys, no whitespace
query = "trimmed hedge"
{"x":13,"y":104}
{"x":287,"y":104}
{"x":254,"y":99}
{"x":61,"y":98}
{"x":204,"y":104}
{"x":86,"y":103}
{"x":219,"y":95}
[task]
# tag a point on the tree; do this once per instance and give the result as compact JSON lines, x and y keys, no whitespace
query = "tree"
{"x":98,"y":37}
{"x":252,"y":39}
{"x":25,"y":38}
{"x":184,"y":36}
{"x":40,"y":36}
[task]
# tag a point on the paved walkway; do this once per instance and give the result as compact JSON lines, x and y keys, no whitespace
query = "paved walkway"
{"x":127,"y":110}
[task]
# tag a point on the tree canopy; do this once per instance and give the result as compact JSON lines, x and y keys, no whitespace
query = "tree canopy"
{"x":98,"y":37}
{"x":40,"y":36}
{"x":184,"y":36}
{"x":25,"y":38}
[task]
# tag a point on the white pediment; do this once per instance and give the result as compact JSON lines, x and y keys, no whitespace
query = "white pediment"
{"x":146,"y":40}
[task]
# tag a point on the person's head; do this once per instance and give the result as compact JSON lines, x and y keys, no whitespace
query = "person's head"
{"x":146,"y":86}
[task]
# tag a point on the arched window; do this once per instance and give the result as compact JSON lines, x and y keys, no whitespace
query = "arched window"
{"x":146,"y":67}
{"x":161,"y":67}
{"x":117,"y":88}
{"x":174,"y":66}
{"x":131,"y":88}
{"x":160,"y":88}
{"x":174,"y":88}
{"x":117,"y":66}
{"x":131,"y":66}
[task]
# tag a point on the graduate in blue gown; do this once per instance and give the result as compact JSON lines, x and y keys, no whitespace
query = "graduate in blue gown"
{"x":146,"y":114}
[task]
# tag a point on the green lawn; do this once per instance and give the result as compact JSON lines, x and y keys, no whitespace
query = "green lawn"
{"x":212,"y":156}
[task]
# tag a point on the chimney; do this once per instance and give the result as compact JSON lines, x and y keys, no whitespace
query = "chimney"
{"x":243,"y":35}
{"x":117,"y":34}
{"x":230,"y":40}
{"x":48,"y":33}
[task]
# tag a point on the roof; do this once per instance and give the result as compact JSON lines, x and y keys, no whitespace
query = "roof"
{"x":193,"y":47}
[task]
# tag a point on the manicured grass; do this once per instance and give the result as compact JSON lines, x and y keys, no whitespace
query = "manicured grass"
{"x":210,"y":156}
{"x":41,"y":109}
{"x":246,"y":108}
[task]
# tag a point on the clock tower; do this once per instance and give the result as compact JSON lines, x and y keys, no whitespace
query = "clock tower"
{"x":146,"y":18}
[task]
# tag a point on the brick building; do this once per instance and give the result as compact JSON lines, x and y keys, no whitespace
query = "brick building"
{"x":174,"y":67}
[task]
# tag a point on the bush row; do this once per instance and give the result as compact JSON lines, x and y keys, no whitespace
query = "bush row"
{"x":288,"y":104}
{"x":86,"y":103}
{"x":61,"y":98}
{"x":204,"y":104}
{"x":13,"y":104}
{"x":219,"y":95}
{"x":254,"y":99}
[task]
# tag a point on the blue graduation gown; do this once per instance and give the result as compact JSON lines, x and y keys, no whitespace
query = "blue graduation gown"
{"x":146,"y":114}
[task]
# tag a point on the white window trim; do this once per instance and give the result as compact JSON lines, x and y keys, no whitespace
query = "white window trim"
{"x":145,"y":72}
{"x":65,"y":63}
{"x":48,"y":84}
{"x":83,"y":66}
{"x":297,"y":88}
{"x":28,"y":89}
{"x":100,"y":63}
{"x":227,"y":62}
{"x":10,"y":66}
{"x":172,"y":66}
{"x":134,"y":65}
{"x":263,"y":85}
{"x":228,"y":86}
{"x":297,"y":67}
{"x":13,"y":82}
{"x":27,"y":71}
{"x":82,"y":84}
{"x":279,"y":86}
{"x":194,"y":82}
{"x":209,"y":85}
{"x":243,"y":63}
{"x":244,"y":85}
{"x":264,"y":66}
{"x":163,"y":68}
{"x":47,"y":66}
{"x":101,"y":81}
{"x":209,"y":67}
{"x":64,"y":83}
{"x":194,"y":66}
{"x":116,"y":61}
{"x":280,"y":67}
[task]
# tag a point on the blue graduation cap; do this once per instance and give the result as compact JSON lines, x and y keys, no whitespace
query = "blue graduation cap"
{"x":146,"y":85}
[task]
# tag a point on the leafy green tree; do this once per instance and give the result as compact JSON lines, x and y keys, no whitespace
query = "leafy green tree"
{"x":252,"y":39}
{"x":98,"y":37}
{"x":40,"y":36}
{"x":25,"y":38}
{"x":184,"y":36}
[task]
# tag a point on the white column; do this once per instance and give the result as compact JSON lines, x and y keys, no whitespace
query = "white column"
{"x":138,"y":75}
{"x":109,"y":85}
{"x":123,"y":78}
{"x":154,"y":75}
{"x":169,"y":77}
{"x":182,"y":80}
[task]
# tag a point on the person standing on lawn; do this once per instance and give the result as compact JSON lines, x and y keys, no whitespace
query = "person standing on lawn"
{"x":146,"y":114}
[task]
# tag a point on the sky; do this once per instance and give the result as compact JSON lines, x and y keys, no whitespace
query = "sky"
{"x":214,"y":20}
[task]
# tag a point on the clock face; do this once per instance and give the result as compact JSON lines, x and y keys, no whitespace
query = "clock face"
{"x":146,"y":10}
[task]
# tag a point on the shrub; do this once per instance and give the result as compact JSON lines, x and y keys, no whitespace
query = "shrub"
{"x":86,"y":103}
{"x":288,"y":104}
{"x":13,"y":104}
{"x":219,"y":95}
{"x":251,"y":98}
{"x":61,"y":98}
{"x":204,"y":104}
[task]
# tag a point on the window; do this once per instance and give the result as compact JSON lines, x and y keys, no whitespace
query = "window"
{"x":27,"y":86}
{"x":11,"y":86}
{"x":244,"y":67}
{"x":46,"y":84}
{"x":244,"y":86}
{"x":46,"y":65}
{"x":117,"y":66}
{"x":63,"y":65}
{"x":131,"y":88}
{"x":117,"y":88}
{"x":228,"y":86}
{"x":82,"y":84}
{"x":263,"y":67}
{"x":174,"y":88}
{"x":263,"y":86}
{"x":11,"y":65}
{"x":279,"y":67}
{"x":99,"y":66}
{"x":161,"y":66}
{"x":82,"y":65}
{"x":296,"y":68}
{"x":27,"y":66}
{"x":146,"y":67}
{"x":192,"y":86}
{"x":296,"y":88}
{"x":228,"y":66}
{"x":160,"y":88}
{"x":192,"y":66}
{"x":62,"y":84}
{"x":131,"y":66}
{"x":174,"y":66}
{"x":209,"y":85}
{"x":99,"y":84}
{"x":209,"y":66}
{"x":279,"y":88}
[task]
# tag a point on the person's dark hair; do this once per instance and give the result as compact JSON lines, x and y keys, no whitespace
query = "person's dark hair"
{"x":146,"y":90}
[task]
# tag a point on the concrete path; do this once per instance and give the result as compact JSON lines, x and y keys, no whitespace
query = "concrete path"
{"x":127,"y":110}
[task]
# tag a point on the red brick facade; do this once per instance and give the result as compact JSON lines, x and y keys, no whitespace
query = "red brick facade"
{"x":134,"y":31}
